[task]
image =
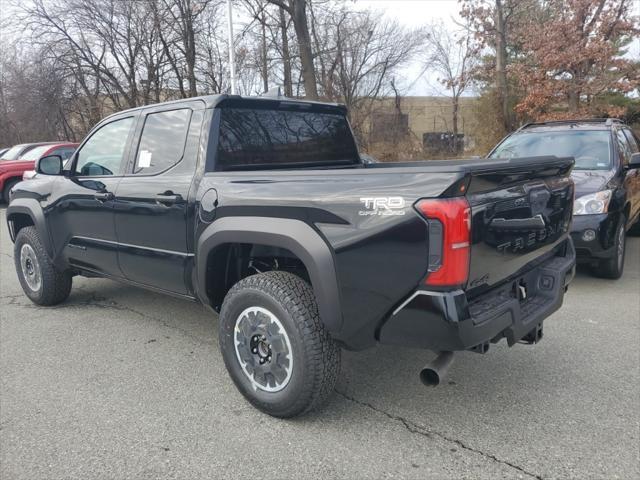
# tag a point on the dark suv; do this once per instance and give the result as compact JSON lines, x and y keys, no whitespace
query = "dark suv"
{"x":607,"y":179}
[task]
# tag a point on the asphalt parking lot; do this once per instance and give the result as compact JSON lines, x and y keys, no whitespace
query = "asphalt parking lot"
{"x":123,"y":383}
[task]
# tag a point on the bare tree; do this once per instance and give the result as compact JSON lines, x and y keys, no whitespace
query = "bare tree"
{"x":297,"y":9}
{"x":178,"y":24}
{"x":361,"y":52}
{"x":451,"y":57}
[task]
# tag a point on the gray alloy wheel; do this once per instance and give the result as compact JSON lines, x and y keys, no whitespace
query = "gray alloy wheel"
{"x":40,"y":279}
{"x":263,"y":349}
{"x":30,"y":267}
{"x":274,"y":345}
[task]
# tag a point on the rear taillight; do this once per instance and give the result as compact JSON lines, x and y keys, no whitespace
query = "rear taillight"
{"x":449,"y":222}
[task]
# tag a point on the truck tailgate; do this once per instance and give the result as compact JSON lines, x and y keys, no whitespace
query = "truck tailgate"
{"x":520,"y":211}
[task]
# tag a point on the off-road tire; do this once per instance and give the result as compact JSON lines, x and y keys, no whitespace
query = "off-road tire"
{"x":315,"y":355}
{"x":7,"y":189}
{"x":55,"y":285}
{"x":612,"y":268}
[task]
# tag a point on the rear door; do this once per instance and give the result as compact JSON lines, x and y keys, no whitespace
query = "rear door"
{"x":153,"y":207}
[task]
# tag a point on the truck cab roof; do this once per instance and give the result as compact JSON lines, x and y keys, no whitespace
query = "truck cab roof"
{"x":238,"y":101}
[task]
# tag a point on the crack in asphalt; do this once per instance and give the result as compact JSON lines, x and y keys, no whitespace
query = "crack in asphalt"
{"x":425,"y":432}
{"x":97,"y":301}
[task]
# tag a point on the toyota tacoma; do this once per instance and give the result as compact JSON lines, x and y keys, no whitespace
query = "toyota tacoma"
{"x":263,"y":210}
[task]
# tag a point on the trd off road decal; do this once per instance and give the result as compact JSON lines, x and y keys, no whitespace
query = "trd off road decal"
{"x":384,"y":206}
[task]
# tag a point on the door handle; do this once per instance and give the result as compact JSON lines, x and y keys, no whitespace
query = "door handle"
{"x":168,"y":198}
{"x":104,"y":196}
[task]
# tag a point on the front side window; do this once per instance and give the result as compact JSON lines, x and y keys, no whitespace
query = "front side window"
{"x":104,"y":152}
{"x":591,"y":149}
{"x":250,"y":138}
{"x":162,"y":141}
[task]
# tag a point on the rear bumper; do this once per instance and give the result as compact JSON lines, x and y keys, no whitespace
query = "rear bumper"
{"x":603,"y":227}
{"x":448,"y":321}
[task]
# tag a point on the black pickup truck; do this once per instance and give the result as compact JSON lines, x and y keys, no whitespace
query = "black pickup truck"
{"x":262,"y":210}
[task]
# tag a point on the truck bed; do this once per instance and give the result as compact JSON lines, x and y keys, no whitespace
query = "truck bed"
{"x":381,"y":242}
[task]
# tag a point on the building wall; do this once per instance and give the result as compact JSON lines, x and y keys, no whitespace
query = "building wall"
{"x":432,"y":114}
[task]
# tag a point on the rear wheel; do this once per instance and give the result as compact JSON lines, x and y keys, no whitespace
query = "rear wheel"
{"x":41,"y":281}
{"x":613,"y":267}
{"x":276,"y":349}
{"x":9,"y":184}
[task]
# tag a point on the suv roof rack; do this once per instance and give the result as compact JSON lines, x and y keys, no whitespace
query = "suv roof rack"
{"x":606,"y":121}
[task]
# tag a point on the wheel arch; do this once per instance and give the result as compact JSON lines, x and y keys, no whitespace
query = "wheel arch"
{"x":23,"y":212}
{"x":293,"y":235}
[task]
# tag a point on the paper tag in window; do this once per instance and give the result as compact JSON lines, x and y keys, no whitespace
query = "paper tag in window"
{"x":144,"y":159}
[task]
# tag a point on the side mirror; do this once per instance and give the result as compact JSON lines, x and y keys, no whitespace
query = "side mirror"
{"x":634,"y":162}
{"x":49,"y":165}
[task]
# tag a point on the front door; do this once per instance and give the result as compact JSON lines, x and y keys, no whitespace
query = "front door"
{"x":81,"y":212}
{"x":152,"y":208}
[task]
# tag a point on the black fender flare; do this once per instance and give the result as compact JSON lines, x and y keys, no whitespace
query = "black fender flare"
{"x":294,"y":235}
{"x":30,"y":207}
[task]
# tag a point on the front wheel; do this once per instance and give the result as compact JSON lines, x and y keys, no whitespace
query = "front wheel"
{"x":276,"y":349}
{"x":41,"y":281}
{"x":613,"y":267}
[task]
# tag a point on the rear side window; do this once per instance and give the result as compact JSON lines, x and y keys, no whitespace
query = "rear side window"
{"x":635,"y":148}
{"x":162,"y":141}
{"x":623,"y":145}
{"x":251,"y":138}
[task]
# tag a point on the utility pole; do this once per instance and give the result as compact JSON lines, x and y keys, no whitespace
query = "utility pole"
{"x":232,"y":60}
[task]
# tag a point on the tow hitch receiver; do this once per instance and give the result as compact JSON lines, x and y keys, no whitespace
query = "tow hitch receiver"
{"x":533,"y":337}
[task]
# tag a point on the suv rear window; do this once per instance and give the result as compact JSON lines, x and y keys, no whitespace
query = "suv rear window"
{"x":591,"y":149}
{"x":251,"y":138}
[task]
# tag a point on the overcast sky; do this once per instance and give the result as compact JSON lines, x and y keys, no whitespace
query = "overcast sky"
{"x":413,"y":13}
{"x":417,"y":13}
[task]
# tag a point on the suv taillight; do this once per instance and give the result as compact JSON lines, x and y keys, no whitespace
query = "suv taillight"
{"x":449,"y":221}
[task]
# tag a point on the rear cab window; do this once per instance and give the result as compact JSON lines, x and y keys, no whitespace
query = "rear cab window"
{"x":282,"y":137}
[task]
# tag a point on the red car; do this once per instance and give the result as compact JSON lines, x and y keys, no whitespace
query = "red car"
{"x":12,"y":169}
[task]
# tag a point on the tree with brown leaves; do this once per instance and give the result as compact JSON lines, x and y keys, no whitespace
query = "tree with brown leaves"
{"x":574,"y":54}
